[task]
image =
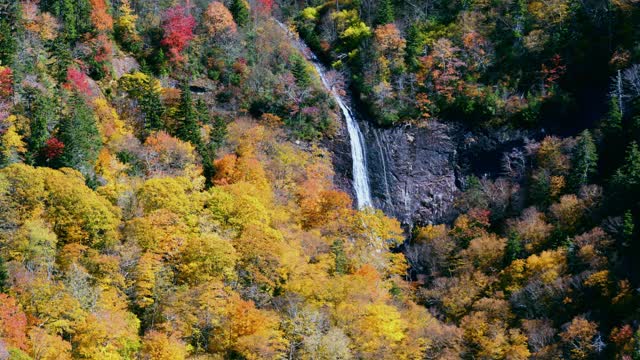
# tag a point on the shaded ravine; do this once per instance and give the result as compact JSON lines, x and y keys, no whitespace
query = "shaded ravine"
{"x":361,"y":185}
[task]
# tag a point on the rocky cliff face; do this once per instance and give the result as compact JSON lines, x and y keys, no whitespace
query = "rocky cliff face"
{"x":415,"y":172}
{"x":412,"y":170}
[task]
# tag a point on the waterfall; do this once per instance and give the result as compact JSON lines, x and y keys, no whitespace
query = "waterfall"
{"x":358,"y":149}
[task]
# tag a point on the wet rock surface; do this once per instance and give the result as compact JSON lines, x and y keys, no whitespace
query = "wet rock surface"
{"x":413,"y":171}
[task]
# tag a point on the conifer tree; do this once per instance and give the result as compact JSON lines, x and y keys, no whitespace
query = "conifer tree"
{"x":217,"y":135}
{"x":4,"y":275}
{"x":385,"y":13}
{"x":299,"y":71}
{"x":612,"y":125}
{"x":79,"y":134}
{"x":626,"y":180}
{"x":585,"y":160}
{"x":629,"y":173}
{"x":628,"y":227}
{"x":340,"y":257}
{"x":8,"y":15}
{"x":188,"y":128}
{"x":513,"y":250}
{"x":42,"y":116}
{"x":219,"y":131}
{"x":151,"y":105}
{"x":74,"y":14}
{"x":240,"y":12}
{"x":412,"y":50}
{"x":612,"y":152}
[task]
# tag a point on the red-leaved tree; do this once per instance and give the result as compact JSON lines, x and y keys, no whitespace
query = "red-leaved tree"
{"x":265,"y":7}
{"x":13,"y":323}
{"x":77,"y":80}
{"x":178,"y":27}
{"x":6,"y":82}
{"x":53,"y":148}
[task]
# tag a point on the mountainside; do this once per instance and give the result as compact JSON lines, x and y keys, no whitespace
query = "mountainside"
{"x":192,"y":179}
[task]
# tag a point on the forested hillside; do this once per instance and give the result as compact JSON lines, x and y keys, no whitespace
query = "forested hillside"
{"x":167,"y":192}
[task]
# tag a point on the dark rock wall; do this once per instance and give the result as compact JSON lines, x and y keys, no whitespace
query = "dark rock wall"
{"x":412,"y":171}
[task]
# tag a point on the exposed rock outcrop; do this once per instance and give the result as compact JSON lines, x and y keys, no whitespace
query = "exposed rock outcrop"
{"x":412,"y":170}
{"x":124,"y":65}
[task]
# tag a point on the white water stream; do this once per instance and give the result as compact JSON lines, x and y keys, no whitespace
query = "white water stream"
{"x":358,"y":149}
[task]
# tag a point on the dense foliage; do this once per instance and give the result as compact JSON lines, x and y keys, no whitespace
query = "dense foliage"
{"x":164,"y":193}
{"x":489,"y":63}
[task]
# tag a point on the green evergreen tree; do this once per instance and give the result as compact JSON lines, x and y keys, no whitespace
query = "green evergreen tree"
{"x":151,"y":106}
{"x":74,"y":14}
{"x":8,"y":17}
{"x":240,"y":12}
{"x":612,"y":125}
{"x":628,"y":228}
{"x":413,"y":48}
{"x":62,"y":53}
{"x":4,"y":275}
{"x":188,"y":128}
{"x":218,"y":131}
{"x":79,"y":133}
{"x":626,"y":180}
{"x":43,"y":112}
{"x":636,"y":348}
{"x":385,"y":13}
{"x":612,"y":152}
{"x":341,"y":262}
{"x":217,"y":135}
{"x":585,"y":160}
{"x":202,"y":111}
{"x":513,"y":250}
{"x":299,"y":71}
{"x":628,"y":175}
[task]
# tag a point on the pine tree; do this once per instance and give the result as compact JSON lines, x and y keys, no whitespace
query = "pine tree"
{"x":636,"y":348}
{"x":218,"y":131}
{"x":513,"y":250}
{"x":217,"y":135}
{"x":413,"y":47}
{"x":585,"y":160}
{"x":612,"y":125}
{"x":8,"y":15}
{"x":627,"y":228}
{"x":626,"y":180}
{"x":612,"y":152}
{"x":188,"y":128}
{"x":629,"y":174}
{"x":4,"y":275}
{"x":79,"y":134}
{"x":42,"y":115}
{"x":341,"y":262}
{"x":385,"y":13}
{"x":62,"y":53}
{"x":240,"y":12}
{"x":74,"y":14}
{"x":151,"y":106}
{"x":299,"y":71}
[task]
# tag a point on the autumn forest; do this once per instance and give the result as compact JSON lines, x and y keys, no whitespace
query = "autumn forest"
{"x":172,"y":184}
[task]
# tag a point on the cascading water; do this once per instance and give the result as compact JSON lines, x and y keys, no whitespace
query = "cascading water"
{"x":358,"y":149}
